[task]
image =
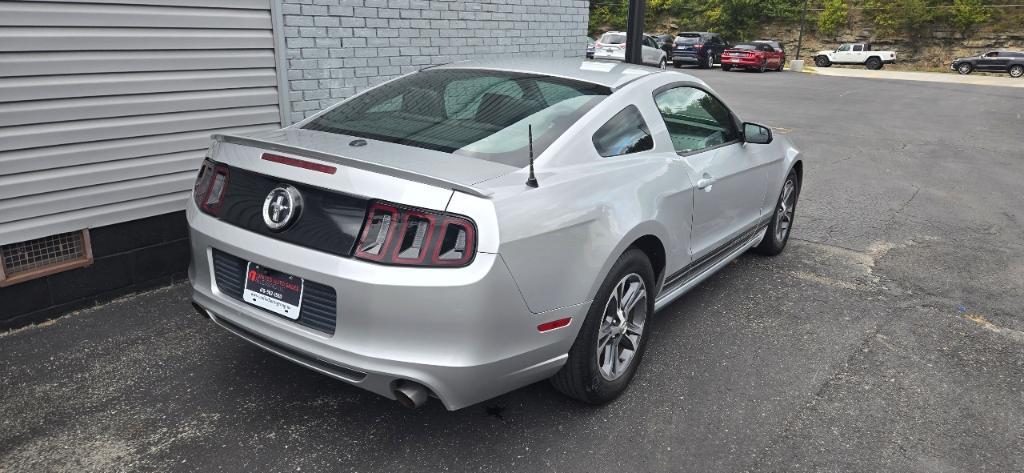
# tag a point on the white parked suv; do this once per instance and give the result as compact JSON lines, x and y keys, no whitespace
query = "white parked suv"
{"x":855,"y":53}
{"x":612,"y":45}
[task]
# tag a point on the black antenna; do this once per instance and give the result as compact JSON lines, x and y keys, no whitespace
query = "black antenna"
{"x":532,"y":180}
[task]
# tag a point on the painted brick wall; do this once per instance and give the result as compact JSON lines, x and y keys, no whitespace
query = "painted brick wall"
{"x":337,"y":48}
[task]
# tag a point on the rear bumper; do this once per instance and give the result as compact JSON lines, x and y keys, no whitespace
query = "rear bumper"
{"x":741,"y":62}
{"x":614,"y":56}
{"x":687,"y":56}
{"x":464,"y":333}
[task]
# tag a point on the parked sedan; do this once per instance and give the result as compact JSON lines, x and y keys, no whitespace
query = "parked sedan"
{"x":476,"y":227}
{"x":754,"y":56}
{"x":612,"y":45}
{"x":993,"y":61}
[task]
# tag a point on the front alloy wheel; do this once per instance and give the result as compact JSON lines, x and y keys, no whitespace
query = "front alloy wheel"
{"x":964,"y":68}
{"x":781,"y":223}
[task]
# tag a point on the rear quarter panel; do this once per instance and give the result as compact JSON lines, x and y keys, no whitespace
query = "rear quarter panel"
{"x":560,"y":239}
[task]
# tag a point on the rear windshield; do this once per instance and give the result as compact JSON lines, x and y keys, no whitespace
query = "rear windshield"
{"x":613,"y":38}
{"x":748,"y":47}
{"x":476,"y":113}
{"x":687,"y":38}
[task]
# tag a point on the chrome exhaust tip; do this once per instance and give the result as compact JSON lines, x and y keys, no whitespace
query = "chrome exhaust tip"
{"x":410,"y":394}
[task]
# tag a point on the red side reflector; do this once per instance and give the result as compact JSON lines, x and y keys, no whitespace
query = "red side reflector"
{"x":546,"y":326}
{"x":300,"y":163}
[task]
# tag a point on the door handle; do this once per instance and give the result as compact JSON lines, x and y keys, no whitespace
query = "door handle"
{"x":706,"y":183}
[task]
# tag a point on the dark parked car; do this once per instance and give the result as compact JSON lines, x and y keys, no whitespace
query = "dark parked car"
{"x":775,"y":45}
{"x":661,"y":38}
{"x":993,"y":61}
{"x":700,"y":48}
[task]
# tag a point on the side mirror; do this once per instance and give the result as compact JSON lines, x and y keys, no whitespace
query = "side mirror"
{"x":756,"y":134}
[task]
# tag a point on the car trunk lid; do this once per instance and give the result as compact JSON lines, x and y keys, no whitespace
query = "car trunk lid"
{"x":435,"y":168}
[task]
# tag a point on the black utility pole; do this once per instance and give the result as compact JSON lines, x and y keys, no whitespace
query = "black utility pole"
{"x":800,"y":38}
{"x":635,"y":31}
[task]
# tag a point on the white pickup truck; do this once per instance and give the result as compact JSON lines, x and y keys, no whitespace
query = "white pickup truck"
{"x":855,"y":53}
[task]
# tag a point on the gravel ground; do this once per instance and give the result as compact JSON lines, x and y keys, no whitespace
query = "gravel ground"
{"x":888,"y":337}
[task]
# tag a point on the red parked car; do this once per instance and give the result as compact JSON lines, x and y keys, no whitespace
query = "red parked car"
{"x":758,"y":56}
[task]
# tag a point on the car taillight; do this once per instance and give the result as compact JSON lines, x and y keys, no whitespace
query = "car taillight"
{"x":405,"y":236}
{"x":597,"y":44}
{"x":622,"y":46}
{"x":698,"y":46}
{"x":211,"y":186}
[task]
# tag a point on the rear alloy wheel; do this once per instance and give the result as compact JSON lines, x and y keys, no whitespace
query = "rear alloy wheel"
{"x":822,"y":61}
{"x":1016,"y":71}
{"x":612,"y":339}
{"x":764,"y":66}
{"x":873,"y":63}
{"x":965,"y":68}
{"x":782,"y":65}
{"x":781,"y":223}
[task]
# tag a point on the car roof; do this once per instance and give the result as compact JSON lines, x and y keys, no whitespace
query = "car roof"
{"x":607,"y":73}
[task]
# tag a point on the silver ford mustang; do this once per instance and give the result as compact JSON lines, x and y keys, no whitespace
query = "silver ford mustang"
{"x":472,"y":228}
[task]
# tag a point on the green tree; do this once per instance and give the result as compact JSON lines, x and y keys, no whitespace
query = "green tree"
{"x":896,"y":17}
{"x":967,"y":14}
{"x":833,"y":17}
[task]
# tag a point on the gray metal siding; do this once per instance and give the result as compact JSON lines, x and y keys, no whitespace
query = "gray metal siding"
{"x":106,"y":106}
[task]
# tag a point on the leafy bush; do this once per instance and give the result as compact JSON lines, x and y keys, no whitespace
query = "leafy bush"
{"x":833,"y":17}
{"x":968,"y":14}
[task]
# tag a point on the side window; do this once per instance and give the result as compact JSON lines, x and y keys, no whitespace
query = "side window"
{"x":695,"y":120}
{"x":625,"y":133}
{"x":845,"y":47}
{"x":859,"y":47}
{"x":992,"y":54}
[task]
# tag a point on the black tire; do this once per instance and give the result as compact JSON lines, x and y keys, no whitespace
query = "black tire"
{"x":965,"y":68}
{"x":873,"y":63}
{"x":726,"y":67}
{"x":782,"y":65}
{"x":581,"y":378}
{"x":704,"y":63}
{"x":663,"y":64}
{"x":822,"y":61}
{"x":1017,"y":71}
{"x":677,"y":65}
{"x":772,"y":244}
{"x":763,"y":67}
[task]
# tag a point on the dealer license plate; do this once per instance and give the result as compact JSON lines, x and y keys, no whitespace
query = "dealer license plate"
{"x":273,"y":290}
{"x":735,"y":60}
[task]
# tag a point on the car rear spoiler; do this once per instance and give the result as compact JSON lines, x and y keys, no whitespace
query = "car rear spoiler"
{"x":353,"y":163}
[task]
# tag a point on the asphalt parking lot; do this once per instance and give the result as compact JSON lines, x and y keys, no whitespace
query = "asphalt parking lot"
{"x":888,"y":337}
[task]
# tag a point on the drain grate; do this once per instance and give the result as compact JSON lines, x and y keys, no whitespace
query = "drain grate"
{"x":34,"y":258}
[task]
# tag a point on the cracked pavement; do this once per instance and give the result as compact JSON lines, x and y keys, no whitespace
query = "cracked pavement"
{"x":888,"y":336}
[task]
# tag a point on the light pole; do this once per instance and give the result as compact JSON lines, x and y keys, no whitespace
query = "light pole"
{"x":635,"y":31}
{"x":797,"y":64}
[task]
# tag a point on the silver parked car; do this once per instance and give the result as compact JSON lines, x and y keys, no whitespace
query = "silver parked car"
{"x":612,"y":46}
{"x":469,"y":229}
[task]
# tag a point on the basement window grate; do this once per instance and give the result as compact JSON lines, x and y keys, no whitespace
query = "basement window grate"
{"x":43,"y":256}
